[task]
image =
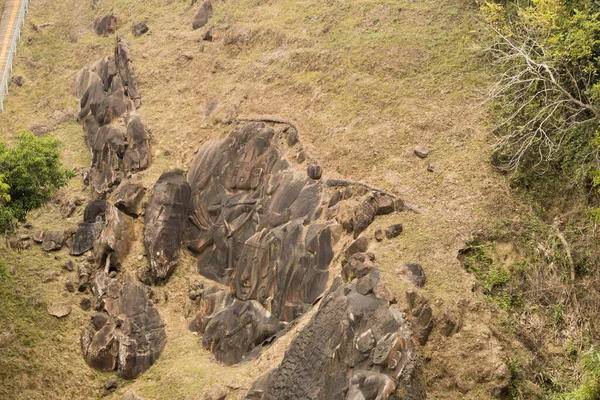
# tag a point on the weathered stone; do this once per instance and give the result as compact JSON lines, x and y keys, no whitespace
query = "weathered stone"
{"x":228,"y":342}
{"x":111,"y":383}
{"x":432,"y":167}
{"x":68,"y":266}
{"x":128,"y":198}
{"x":314,"y":172}
{"x":261,"y":226}
{"x":83,"y":273}
{"x":412,"y":273}
{"x":69,"y":285}
{"x":85,"y":303}
{"x":324,"y":361}
{"x":452,"y":322}
{"x":53,"y":240}
{"x":50,"y":276}
{"x":59,"y":310}
{"x":360,"y":245}
{"x":378,"y":235}
{"x":106,"y":25}
{"x":131,"y":395}
{"x":138,"y":155}
{"x":364,"y":215}
{"x":139,"y":28}
{"x":84,"y":238}
{"x":130,"y":336}
{"x":393,"y":230}
{"x":215,"y":393}
{"x":38,"y":236}
{"x":113,"y":245}
{"x":164,"y":223}
{"x":203,"y":14}
{"x":422,"y":151}
{"x":423,"y":323}
{"x":124,"y":67}
{"x":358,"y":265}
{"x":385,"y":204}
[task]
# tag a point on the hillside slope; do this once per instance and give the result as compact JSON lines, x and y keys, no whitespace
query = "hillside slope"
{"x":365,"y":82}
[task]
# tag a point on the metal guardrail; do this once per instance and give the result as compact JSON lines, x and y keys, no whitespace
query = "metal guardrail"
{"x":12,"y":50}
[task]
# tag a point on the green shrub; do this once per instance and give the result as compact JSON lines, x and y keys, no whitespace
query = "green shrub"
{"x":589,"y":388}
{"x":30,"y":174}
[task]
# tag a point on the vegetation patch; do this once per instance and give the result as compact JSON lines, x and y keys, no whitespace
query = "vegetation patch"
{"x":30,"y":174}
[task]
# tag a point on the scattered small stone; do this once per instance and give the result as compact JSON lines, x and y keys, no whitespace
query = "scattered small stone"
{"x":140,"y":28}
{"x":111,"y":384}
{"x":38,"y":236}
{"x":68,"y":266}
{"x":27,"y":225}
{"x":112,"y":274}
{"x":385,"y":205}
{"x":432,"y":167}
{"x":378,"y":235}
{"x":23,"y":238}
{"x":50,"y":276}
{"x":69,"y":285}
{"x":188,"y":57}
{"x":215,"y":393}
{"x":85,"y":303}
{"x":393,"y":230}
{"x":412,"y":273}
{"x":18,"y":80}
{"x":193,"y":295}
{"x":140,"y":258}
{"x":314,"y":171}
{"x":208,"y":37}
{"x":301,"y":157}
{"x":59,"y":310}
{"x":422,"y":151}
{"x":131,"y":395}
{"x":57,"y":258}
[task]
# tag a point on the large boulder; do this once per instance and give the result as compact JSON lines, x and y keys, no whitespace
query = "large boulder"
{"x":114,"y":242}
{"x":203,"y":14}
{"x":137,"y":156}
{"x":128,"y":197}
{"x":259,"y":224}
{"x":84,"y":238}
{"x":355,"y":347}
{"x":109,"y":95}
{"x":164,"y":223}
{"x":54,"y":240}
{"x":127,"y":334}
{"x":239,"y":328}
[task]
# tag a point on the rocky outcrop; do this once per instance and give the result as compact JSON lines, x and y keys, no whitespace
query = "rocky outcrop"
{"x":265,"y":228}
{"x":164,"y":223}
{"x":118,"y":140}
{"x":127,"y":333}
{"x":355,"y":347}
{"x":232,"y":333}
{"x":128,"y":197}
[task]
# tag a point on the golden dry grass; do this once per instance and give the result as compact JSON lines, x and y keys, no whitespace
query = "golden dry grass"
{"x":364,"y":81}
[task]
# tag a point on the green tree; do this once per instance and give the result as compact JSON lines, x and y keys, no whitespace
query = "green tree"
{"x":30,"y":174}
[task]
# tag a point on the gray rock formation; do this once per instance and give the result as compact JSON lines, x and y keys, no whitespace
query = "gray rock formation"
{"x":127,"y":333}
{"x":166,"y":215}
{"x":263,"y":227}
{"x":355,"y":347}
{"x":119,"y":142}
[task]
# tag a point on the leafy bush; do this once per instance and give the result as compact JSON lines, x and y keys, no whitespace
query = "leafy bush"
{"x":30,"y":174}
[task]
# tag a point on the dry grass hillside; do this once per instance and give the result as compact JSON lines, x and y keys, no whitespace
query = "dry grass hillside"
{"x":364,"y":81}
